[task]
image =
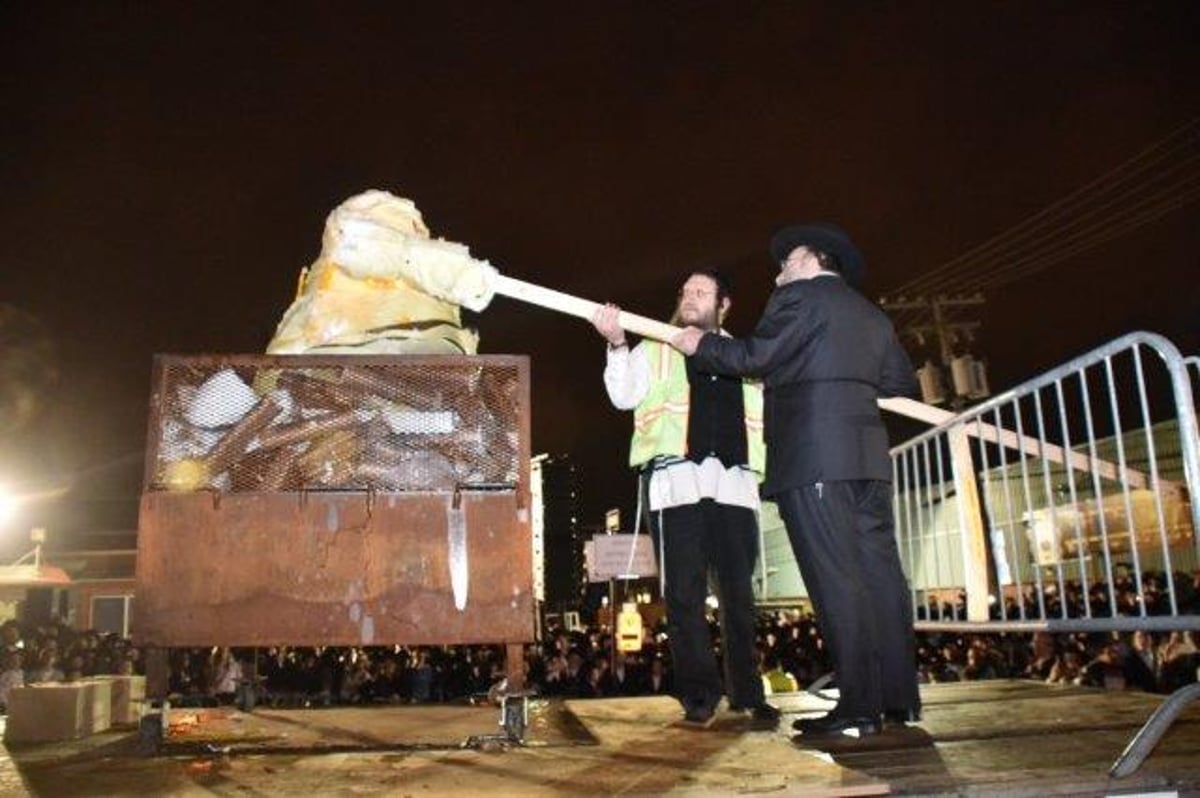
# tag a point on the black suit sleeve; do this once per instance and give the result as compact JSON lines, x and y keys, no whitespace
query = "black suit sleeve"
{"x":781,"y":333}
{"x":898,"y":377}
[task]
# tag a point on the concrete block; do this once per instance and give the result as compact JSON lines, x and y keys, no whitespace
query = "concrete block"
{"x":58,"y":711}
{"x":128,"y":698}
{"x":98,"y":695}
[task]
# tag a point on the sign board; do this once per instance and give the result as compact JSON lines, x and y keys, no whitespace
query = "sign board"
{"x":612,"y":521}
{"x":629,"y":629}
{"x":621,"y":557}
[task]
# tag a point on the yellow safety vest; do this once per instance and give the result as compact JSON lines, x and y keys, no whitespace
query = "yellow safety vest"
{"x":660,"y":421}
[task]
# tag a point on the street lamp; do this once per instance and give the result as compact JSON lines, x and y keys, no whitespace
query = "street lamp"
{"x":29,"y":571}
{"x":11,"y":501}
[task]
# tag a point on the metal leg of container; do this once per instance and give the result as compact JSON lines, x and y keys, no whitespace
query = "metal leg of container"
{"x":152,"y":729}
{"x":158,"y":673}
{"x":513,"y":701}
{"x":514,"y":664}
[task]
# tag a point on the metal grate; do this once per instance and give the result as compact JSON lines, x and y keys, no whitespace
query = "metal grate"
{"x":415,"y":423}
{"x":1066,"y":503}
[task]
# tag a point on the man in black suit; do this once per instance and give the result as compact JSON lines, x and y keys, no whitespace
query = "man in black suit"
{"x":826,"y":354}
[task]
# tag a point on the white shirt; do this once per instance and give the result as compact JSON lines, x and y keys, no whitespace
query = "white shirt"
{"x":228,"y":677}
{"x":675,"y":481}
{"x":9,"y":679}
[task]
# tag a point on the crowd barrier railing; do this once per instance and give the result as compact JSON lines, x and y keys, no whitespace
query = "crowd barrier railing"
{"x":1062,"y":505}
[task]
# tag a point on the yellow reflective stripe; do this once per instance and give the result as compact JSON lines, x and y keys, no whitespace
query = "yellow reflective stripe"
{"x":641,"y":420}
{"x":664,"y":361}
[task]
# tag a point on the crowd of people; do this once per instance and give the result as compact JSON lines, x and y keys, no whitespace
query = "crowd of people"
{"x":581,"y":663}
{"x":1074,"y":599}
{"x":54,"y":652}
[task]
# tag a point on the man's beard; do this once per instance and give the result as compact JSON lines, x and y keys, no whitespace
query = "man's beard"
{"x":708,"y":321}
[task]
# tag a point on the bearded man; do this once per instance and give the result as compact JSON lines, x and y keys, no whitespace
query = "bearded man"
{"x":697,"y":444}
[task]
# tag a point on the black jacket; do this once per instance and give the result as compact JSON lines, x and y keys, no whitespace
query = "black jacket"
{"x":825,"y":354}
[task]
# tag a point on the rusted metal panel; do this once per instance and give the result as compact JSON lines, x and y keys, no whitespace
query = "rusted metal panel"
{"x":328,"y":500}
{"x":277,"y":569}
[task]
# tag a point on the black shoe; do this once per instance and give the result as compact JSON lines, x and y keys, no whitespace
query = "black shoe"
{"x":901,"y":717}
{"x":700,"y":712}
{"x":762,"y":716}
{"x":837,"y":724}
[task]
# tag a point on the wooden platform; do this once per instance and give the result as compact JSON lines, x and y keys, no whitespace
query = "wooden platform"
{"x":982,"y":738}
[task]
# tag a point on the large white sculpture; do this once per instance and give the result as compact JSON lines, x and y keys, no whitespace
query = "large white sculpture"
{"x":381,"y":285}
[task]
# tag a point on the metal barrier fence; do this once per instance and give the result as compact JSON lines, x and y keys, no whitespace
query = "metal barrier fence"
{"x":1064,"y":504}
{"x":1193,"y":365}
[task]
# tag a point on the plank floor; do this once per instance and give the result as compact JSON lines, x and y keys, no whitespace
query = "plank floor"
{"x":1009,"y":738}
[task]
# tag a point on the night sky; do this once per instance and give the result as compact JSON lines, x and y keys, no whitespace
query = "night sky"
{"x":167,"y":168}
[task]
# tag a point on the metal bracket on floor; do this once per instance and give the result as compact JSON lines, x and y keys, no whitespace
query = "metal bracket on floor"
{"x":152,"y":731}
{"x":514,"y":720}
{"x":514,"y":716}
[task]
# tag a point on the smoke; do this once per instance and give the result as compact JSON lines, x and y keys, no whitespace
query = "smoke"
{"x":28,"y":369}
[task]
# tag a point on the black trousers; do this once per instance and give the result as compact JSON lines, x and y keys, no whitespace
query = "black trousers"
{"x":843,"y":536}
{"x":700,"y":537}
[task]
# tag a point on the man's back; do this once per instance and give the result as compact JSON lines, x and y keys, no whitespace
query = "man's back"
{"x":848,"y":339}
{"x":821,"y":401}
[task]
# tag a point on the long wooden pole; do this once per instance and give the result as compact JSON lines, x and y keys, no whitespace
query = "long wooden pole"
{"x":584,"y":309}
{"x":934,"y":416}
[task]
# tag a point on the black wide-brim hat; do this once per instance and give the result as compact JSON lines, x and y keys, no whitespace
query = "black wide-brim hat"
{"x":825,"y":237}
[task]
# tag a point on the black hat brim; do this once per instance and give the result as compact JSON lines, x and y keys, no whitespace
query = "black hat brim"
{"x":826,"y":238}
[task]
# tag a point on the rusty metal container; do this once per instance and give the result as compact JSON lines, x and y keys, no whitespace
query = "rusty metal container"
{"x":336,"y":500}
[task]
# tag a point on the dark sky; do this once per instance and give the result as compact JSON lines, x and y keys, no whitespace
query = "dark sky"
{"x":166,"y":170}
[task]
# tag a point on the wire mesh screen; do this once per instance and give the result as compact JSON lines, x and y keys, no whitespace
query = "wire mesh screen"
{"x":414,"y":423}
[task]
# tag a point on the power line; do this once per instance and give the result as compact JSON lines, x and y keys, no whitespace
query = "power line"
{"x":1064,"y":208}
{"x":979,"y":264}
{"x":1078,"y":236}
{"x":1023,"y":268}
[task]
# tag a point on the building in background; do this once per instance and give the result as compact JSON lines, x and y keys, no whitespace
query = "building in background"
{"x":558,"y":543}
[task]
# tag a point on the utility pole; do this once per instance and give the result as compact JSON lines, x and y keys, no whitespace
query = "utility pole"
{"x":962,"y":372}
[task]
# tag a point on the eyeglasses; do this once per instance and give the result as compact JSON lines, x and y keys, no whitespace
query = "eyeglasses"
{"x":696,"y":293}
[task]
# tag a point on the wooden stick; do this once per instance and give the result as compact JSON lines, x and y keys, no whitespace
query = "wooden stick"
{"x":1025,"y":444}
{"x":584,"y":309}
